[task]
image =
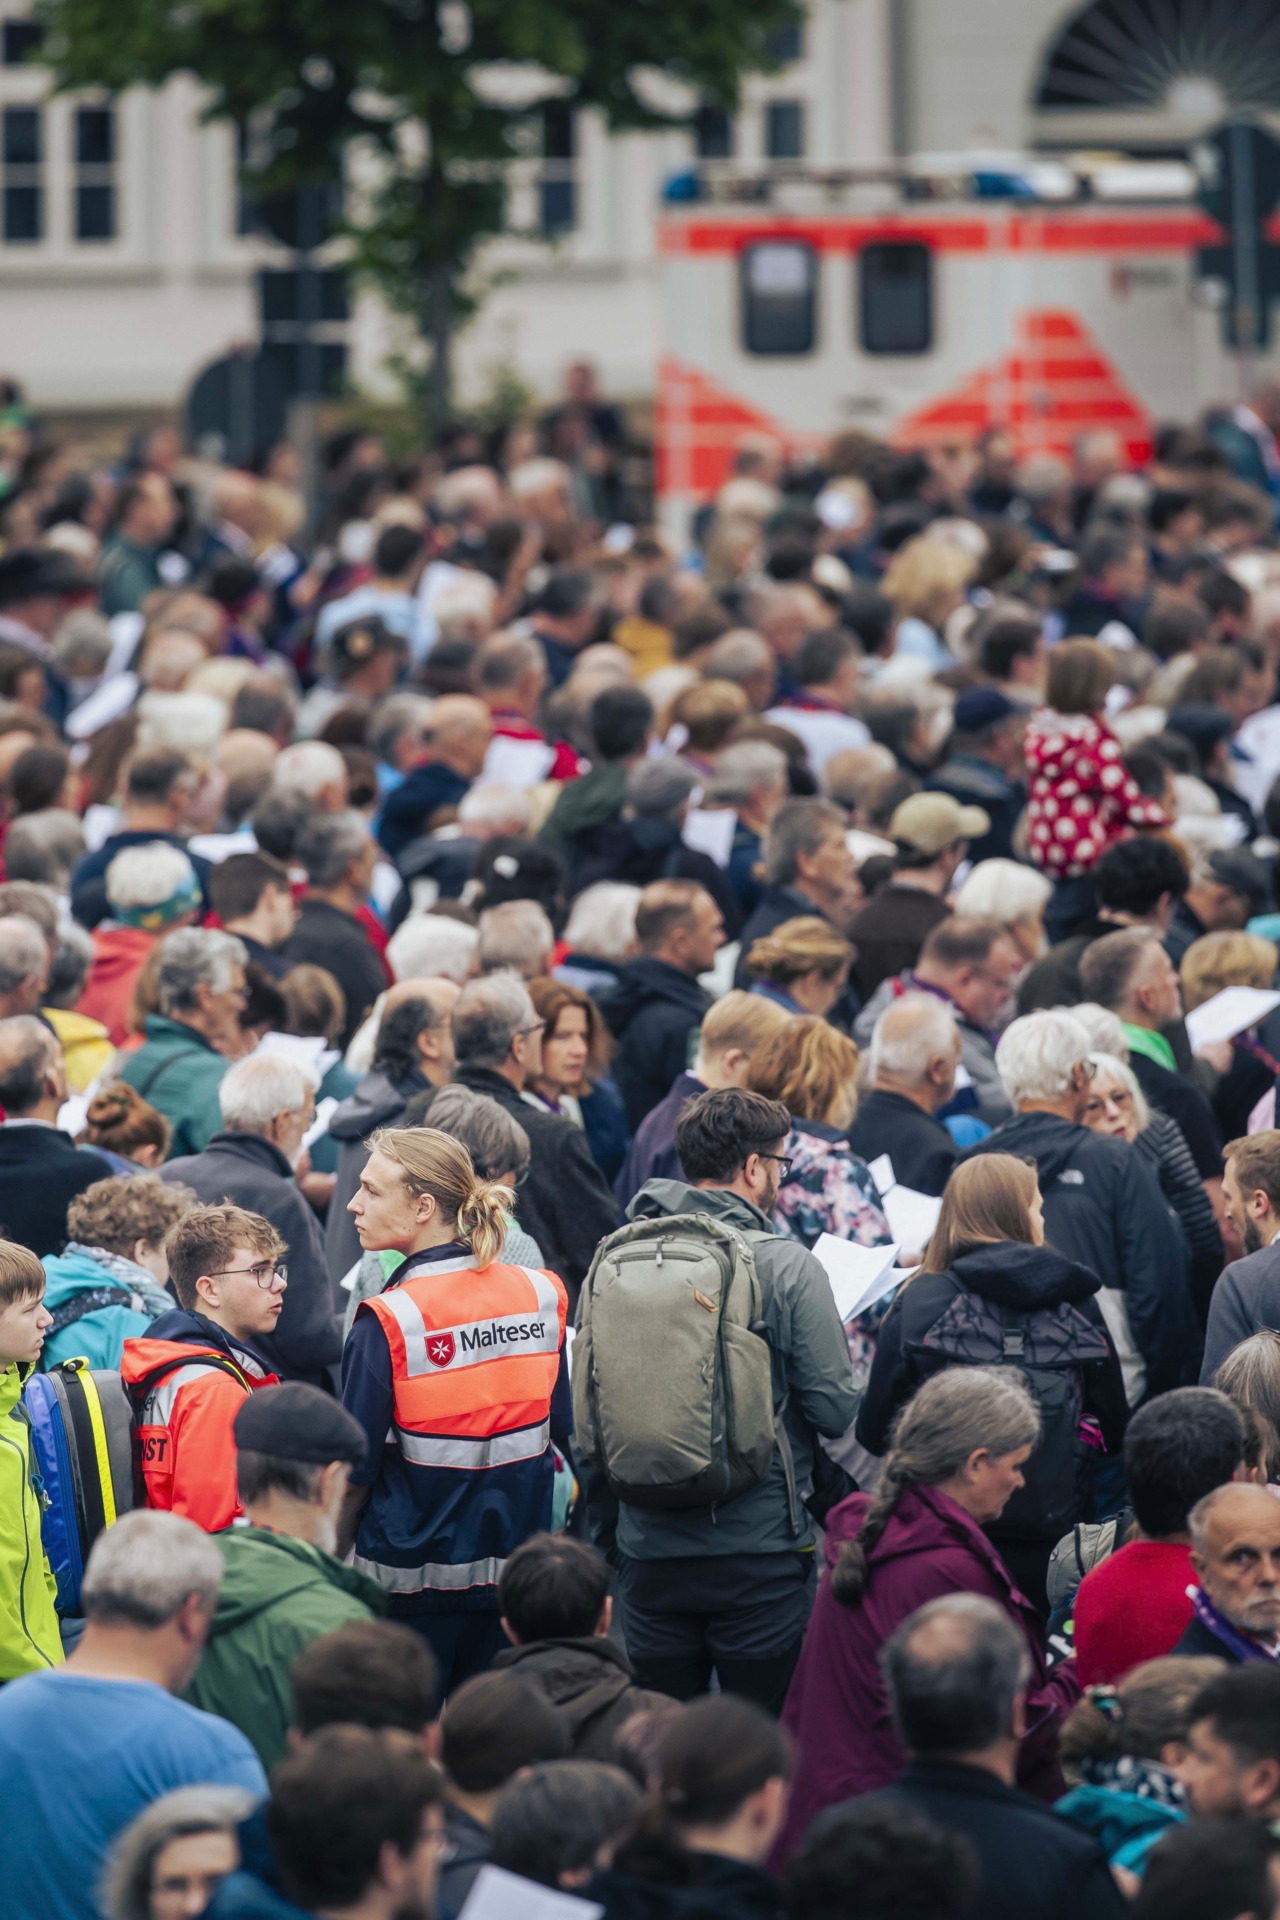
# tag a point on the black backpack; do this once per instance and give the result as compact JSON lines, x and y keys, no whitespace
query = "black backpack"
{"x":1050,"y":1348}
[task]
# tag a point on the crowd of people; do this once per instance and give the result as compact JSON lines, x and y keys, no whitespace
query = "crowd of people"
{"x":466,"y":961}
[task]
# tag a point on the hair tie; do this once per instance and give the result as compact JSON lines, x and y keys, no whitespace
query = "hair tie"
{"x":1108,"y":1703}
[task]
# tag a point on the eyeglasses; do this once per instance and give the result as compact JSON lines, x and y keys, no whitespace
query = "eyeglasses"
{"x":266,"y":1273}
{"x":784,"y":1164}
{"x":537,"y":1027}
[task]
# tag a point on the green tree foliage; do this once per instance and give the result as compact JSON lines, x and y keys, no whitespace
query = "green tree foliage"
{"x":406,"y":81}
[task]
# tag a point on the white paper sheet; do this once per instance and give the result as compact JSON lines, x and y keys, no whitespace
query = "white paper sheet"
{"x":311,"y":1052}
{"x":516,"y":763}
{"x":859,"y":1276}
{"x":882,"y":1173}
{"x":710,"y":830}
{"x":912,"y":1217}
{"x":1230,"y":1012}
{"x":499,"y":1895}
{"x":320,"y":1125}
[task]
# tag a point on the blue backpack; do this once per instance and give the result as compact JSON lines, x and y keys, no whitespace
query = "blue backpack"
{"x":82,"y":1449}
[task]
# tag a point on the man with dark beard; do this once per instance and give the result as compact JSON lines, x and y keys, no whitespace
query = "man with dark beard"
{"x":1247,"y":1297}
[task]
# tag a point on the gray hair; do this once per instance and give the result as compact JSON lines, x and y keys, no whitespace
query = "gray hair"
{"x":429,"y":946}
{"x":191,"y":722}
{"x":743,"y":769}
{"x":308,"y":767}
{"x":1108,"y":966}
{"x":125,"y":1892}
{"x":910,"y":1033}
{"x":82,"y":644}
{"x":1004,"y":890}
{"x":28,"y":1052}
{"x":192,"y":958}
{"x":799,"y":826}
{"x":952,"y":1671}
{"x":738,"y":656}
{"x":1037,"y":1053}
{"x":328,"y":844}
{"x":660,"y":785}
{"x":1202,"y":1513}
{"x":493,"y":1137}
{"x":602,"y":920}
{"x":1119,"y":1069}
{"x":254,"y":1091}
{"x":500,"y":808}
{"x":487,"y":1017}
{"x":1104,"y":1028}
{"x":517,"y":937}
{"x":24,"y":953}
{"x":147,"y":876}
{"x":72,"y":959}
{"x":393,"y":718}
{"x":44,"y":846}
{"x":504,"y":660}
{"x":143,"y":1569}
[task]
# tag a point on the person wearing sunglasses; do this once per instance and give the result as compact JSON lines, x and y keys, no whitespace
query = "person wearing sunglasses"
{"x":190,"y":1373}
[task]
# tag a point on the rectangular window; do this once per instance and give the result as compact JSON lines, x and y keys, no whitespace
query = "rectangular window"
{"x":779,"y":297}
{"x":94,"y":154}
{"x":558,"y":188}
{"x":786,"y":44}
{"x":713,"y":133}
{"x":784,"y":130}
{"x":22,"y":139}
{"x":895,"y":297}
{"x":19,"y":40}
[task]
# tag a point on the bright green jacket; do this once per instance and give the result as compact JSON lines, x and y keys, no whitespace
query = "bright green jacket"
{"x":277,"y":1596}
{"x":176,"y":1070}
{"x":29,"y":1639}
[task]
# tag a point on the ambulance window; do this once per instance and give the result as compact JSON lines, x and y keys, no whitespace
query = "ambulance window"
{"x":779,"y":297}
{"x":895,"y":297}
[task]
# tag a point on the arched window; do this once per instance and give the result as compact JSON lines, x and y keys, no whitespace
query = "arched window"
{"x":1197,"y":59}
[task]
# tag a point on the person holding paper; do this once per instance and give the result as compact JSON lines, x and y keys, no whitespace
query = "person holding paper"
{"x":987,"y":1272}
{"x":1210,"y":968}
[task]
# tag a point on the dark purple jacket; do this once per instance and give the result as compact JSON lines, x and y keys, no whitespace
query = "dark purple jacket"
{"x":652,"y":1154}
{"x":837,"y":1709}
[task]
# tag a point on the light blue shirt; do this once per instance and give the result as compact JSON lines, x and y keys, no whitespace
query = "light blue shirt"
{"x":79,"y":1759}
{"x":398,"y":612}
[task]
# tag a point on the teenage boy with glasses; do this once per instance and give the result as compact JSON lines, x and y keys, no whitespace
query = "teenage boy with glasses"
{"x":188,"y":1376}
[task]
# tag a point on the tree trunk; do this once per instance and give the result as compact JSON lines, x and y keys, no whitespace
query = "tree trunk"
{"x":440,"y":333}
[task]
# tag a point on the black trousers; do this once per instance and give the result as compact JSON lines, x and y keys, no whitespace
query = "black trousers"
{"x":739,"y":1616}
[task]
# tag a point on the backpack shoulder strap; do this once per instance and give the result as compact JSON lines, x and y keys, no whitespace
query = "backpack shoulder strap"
{"x":155,"y":1074}
{"x":139,"y":1390}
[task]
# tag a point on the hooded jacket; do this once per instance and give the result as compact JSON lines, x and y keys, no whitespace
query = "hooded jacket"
{"x":29,"y":1638}
{"x":378,"y":1101}
{"x":87,"y":1050}
{"x":1104,"y":1209}
{"x":277,"y":1595}
{"x":119,"y":954}
{"x":1013,"y":1282}
{"x":187,"y":1448}
{"x":977,"y":1054}
{"x":837,"y":1709}
{"x":592,"y":1683}
{"x":255,"y":1175}
{"x":80,"y":1275}
{"x":176,"y":1070}
{"x":651,"y":1013}
{"x":701,"y":1886}
{"x":811,"y":1370}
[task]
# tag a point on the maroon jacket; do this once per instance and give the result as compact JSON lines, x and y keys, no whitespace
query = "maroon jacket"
{"x":837,"y":1709}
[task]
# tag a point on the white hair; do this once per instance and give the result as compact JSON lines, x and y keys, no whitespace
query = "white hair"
{"x":1037,"y":1053}
{"x":464,"y":610}
{"x":189,"y":722}
{"x":1104,"y":1028}
{"x":255,"y":1091}
{"x":516,"y":936}
{"x":194,"y":957}
{"x":910,"y":1033}
{"x":1111,"y":1063}
{"x":1004,"y":890}
{"x":432,"y":947}
{"x":743,"y":768}
{"x":147,"y":876}
{"x":602,"y":921}
{"x":501,"y":809}
{"x":308,"y":767}
{"x":143,"y":1568}
{"x":538,"y":476}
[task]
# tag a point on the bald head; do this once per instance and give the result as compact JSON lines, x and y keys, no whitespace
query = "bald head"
{"x":32,"y":1081}
{"x":1235,"y":1550}
{"x":954,"y":1671}
{"x":459,"y":732}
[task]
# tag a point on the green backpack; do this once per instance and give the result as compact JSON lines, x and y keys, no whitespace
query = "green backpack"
{"x":672,"y":1384}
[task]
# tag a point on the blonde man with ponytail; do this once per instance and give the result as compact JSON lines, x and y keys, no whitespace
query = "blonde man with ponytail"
{"x":450,"y":1370}
{"x":956,"y":1459}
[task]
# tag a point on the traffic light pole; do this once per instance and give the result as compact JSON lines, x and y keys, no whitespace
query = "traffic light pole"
{"x":1244,"y":247}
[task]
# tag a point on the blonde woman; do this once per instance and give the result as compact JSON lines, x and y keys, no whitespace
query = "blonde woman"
{"x":803,"y":965}
{"x":1219,"y":960}
{"x":450,"y":1370}
{"x":927,"y":580}
{"x":986,"y":1272}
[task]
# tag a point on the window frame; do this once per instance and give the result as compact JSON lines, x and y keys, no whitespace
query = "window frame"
{"x":747,"y":329}
{"x":863,"y":276}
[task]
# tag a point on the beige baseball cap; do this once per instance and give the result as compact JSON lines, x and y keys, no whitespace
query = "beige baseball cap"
{"x":928,"y":822}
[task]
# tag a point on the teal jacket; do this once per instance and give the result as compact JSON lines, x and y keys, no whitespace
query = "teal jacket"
{"x":1125,"y":1825}
{"x":29,"y":1638}
{"x":97,"y":1336}
{"x":177,"y":1071}
{"x":277,"y":1595}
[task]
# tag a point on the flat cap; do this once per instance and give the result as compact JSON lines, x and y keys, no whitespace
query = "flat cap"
{"x":297,"y":1422}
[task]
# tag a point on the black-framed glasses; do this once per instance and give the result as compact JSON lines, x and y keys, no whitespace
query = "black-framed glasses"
{"x":784,"y":1161}
{"x":537,"y":1027}
{"x":266,"y":1273}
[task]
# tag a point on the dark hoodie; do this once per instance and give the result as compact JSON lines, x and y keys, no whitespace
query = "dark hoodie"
{"x":695,"y":1886}
{"x":592,"y":1683}
{"x":378,"y":1101}
{"x":1104,"y":1209}
{"x":648,"y":848}
{"x":651,"y":1013}
{"x":1050,"y":1305}
{"x":837,"y":1709}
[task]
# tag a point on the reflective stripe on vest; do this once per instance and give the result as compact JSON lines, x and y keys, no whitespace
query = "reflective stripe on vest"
{"x":158,"y":1409}
{"x":438,"y":1578}
{"x":474,"y":1357}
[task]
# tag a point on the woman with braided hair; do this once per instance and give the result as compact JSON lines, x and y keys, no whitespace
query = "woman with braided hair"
{"x":954,"y":1461}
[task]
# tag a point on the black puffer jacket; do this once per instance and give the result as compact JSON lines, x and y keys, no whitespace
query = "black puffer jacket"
{"x":1016,"y":1305}
{"x":651,"y":1013}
